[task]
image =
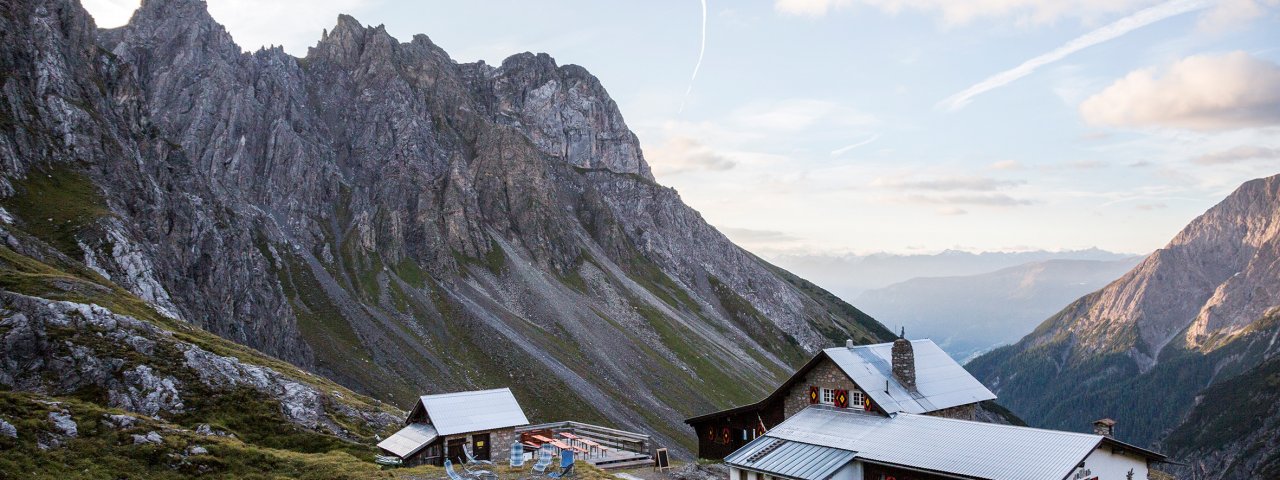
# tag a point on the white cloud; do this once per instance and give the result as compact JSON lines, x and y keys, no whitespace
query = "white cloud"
{"x":945,"y":183}
{"x":1109,"y":32}
{"x":798,"y":114}
{"x":959,"y":12}
{"x":809,"y":8}
{"x":847,"y":148}
{"x":681,"y":154}
{"x":1238,"y":154}
{"x":1201,"y":92}
{"x":1231,"y":14}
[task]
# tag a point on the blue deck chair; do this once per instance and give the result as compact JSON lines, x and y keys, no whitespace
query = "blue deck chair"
{"x":453,"y":475}
{"x":544,"y":461}
{"x":517,"y":454}
{"x":566,"y":465}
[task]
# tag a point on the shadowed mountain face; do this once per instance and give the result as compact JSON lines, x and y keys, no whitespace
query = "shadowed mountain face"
{"x":968,"y":315}
{"x":1153,"y":346}
{"x":388,"y":218}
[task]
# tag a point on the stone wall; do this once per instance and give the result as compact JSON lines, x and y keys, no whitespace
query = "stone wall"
{"x":967,"y":411}
{"x":824,"y":375}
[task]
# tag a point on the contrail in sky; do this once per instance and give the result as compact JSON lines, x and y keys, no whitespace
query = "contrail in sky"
{"x":701,"y":50}
{"x":841,"y":151}
{"x":1115,"y":29}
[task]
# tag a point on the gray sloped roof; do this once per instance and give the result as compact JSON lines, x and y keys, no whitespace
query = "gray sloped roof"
{"x":462,"y":412}
{"x":409,"y":439}
{"x":961,"y":447}
{"x":940,"y":381}
{"x":790,"y":459}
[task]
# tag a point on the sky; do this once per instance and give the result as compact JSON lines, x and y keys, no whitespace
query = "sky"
{"x":906,"y":126}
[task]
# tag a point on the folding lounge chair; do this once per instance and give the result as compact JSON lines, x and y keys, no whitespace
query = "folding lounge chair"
{"x":517,"y":454}
{"x":544,"y":461}
{"x":566,"y":465}
{"x":471,"y":459}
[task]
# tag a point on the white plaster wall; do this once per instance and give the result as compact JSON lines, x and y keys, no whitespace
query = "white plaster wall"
{"x":1105,"y":465}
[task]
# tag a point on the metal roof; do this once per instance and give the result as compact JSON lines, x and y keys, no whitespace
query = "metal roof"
{"x":409,"y":439}
{"x":462,"y":412}
{"x":790,"y":459}
{"x":940,"y":381}
{"x":960,"y":447}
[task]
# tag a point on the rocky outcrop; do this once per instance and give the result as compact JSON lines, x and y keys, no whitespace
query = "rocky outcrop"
{"x":386,"y":217}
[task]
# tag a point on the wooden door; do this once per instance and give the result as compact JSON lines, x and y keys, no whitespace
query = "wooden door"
{"x":454,"y":451}
{"x":480,"y":446}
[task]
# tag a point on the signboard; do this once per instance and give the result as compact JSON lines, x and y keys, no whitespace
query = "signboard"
{"x":661,"y":460}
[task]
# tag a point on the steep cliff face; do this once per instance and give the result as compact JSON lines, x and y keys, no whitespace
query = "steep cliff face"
{"x":1191,"y":315}
{"x":384,"y":216}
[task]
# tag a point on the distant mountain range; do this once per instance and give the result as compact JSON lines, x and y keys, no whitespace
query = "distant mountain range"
{"x":850,"y":275}
{"x":971,"y":314}
{"x":1182,"y":350}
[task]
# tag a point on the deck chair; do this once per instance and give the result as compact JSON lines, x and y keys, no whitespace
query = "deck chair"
{"x":471,"y":459}
{"x":566,"y":465}
{"x":453,"y":474}
{"x":517,"y":454}
{"x":544,"y":461}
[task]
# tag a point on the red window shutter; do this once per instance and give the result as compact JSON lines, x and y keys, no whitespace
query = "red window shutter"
{"x":813,"y":395}
{"x":842,"y":398}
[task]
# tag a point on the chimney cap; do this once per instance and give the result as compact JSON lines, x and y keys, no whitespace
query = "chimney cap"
{"x":848,"y":343}
{"x":903,"y":333}
{"x":1105,"y":421}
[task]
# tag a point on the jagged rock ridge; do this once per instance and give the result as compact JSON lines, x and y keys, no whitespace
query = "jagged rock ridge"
{"x":389,"y":218}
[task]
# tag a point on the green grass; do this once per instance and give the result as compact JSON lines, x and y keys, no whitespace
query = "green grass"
{"x":102,"y":451}
{"x":57,"y":205}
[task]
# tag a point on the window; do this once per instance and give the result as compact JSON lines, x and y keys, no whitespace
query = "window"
{"x":828,"y":396}
{"x":742,"y":475}
{"x":856,"y":399}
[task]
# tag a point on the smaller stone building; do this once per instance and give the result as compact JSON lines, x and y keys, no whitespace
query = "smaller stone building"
{"x":440,"y":426}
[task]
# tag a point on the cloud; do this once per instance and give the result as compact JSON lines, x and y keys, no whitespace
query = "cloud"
{"x":809,"y":8}
{"x":683,"y":154}
{"x":988,"y":200}
{"x":949,"y":183}
{"x":1147,"y":207}
{"x":846,"y":149}
{"x":751,"y":235}
{"x":1231,"y":14}
{"x":1109,"y":32}
{"x":798,"y":114}
{"x":1238,"y":154}
{"x":951,"y":211}
{"x":959,"y":12}
{"x":1200,"y":92}
{"x":1008,"y":165}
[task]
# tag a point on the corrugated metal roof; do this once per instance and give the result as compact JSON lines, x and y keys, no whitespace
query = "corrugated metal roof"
{"x":790,"y":459}
{"x":940,"y":381}
{"x":975,"y":449}
{"x":462,"y":412}
{"x":409,"y":439}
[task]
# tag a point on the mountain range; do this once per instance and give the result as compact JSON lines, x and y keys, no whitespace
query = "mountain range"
{"x":970,"y":314}
{"x":377,"y":214}
{"x":1181,"y":350}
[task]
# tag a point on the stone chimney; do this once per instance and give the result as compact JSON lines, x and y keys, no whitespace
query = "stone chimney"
{"x":904,"y":361}
{"x":1105,"y":427}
